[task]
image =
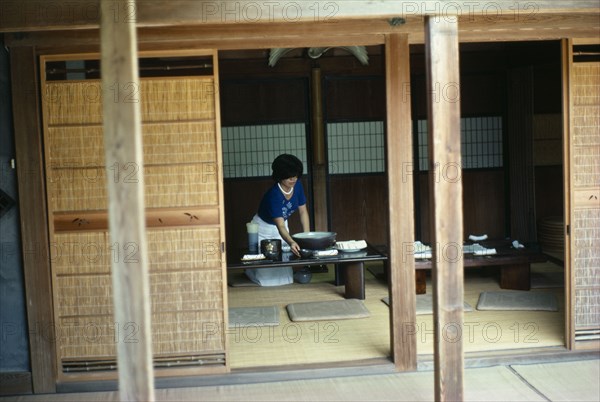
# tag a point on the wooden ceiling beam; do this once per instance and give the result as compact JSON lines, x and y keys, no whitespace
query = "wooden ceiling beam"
{"x":260,"y":35}
{"x":35,"y":15}
{"x":340,"y":33}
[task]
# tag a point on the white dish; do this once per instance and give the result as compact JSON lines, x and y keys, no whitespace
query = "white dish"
{"x":351,"y":246}
{"x":350,"y":250}
{"x":253,"y":257}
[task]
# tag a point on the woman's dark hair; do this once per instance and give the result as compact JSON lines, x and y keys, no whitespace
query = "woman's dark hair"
{"x":286,"y":166}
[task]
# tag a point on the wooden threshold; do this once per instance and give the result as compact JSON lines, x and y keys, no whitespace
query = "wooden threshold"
{"x":252,"y":376}
{"x":363,"y":367}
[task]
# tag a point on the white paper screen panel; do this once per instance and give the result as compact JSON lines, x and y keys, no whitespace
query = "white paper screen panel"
{"x":248,"y":151}
{"x":356,"y":147}
{"x":481,"y":142}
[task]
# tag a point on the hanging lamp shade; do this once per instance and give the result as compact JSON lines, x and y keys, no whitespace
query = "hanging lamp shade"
{"x":360,"y":52}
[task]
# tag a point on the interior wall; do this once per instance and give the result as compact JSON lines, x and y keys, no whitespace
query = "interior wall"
{"x":354,"y":114}
{"x":482,"y":94}
{"x":544,"y":59}
{"x":483,"y":198}
{"x":359,"y":207}
{"x":547,"y":138}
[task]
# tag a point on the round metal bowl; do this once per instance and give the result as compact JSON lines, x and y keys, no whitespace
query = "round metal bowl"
{"x":315,"y":240}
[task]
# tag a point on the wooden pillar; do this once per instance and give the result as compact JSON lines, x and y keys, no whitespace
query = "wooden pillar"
{"x":319,"y":167}
{"x":566,"y":65}
{"x":520,"y":154}
{"x":123,"y":147}
{"x":401,"y":208}
{"x":35,"y":243}
{"x":443,"y":102}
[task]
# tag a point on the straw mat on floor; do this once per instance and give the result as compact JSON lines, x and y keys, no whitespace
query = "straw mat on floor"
{"x":425,"y":304}
{"x":328,"y":310}
{"x":517,"y":300}
{"x":253,"y":316}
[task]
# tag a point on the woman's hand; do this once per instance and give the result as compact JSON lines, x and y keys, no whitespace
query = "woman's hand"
{"x":295,"y":248}
{"x":280,"y":223}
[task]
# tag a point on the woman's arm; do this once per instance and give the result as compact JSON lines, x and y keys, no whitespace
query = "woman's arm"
{"x":285,"y":235}
{"x":304,"y":219}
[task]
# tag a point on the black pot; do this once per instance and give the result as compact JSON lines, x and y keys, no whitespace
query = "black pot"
{"x":315,"y":240}
{"x":305,"y":253}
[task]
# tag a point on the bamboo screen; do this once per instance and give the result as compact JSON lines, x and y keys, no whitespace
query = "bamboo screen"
{"x":180,"y":171}
{"x":585,"y":179}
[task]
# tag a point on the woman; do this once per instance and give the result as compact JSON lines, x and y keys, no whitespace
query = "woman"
{"x":277,"y":205}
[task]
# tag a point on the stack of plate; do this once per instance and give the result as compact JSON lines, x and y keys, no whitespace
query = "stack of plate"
{"x":551,"y":233}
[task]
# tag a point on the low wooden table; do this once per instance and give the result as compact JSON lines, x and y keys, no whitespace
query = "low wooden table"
{"x":350,"y":270}
{"x":515,"y":265}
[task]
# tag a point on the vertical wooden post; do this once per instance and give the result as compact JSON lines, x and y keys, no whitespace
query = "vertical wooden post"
{"x":566,"y":65}
{"x":401,"y":208}
{"x":319,"y":169}
{"x":443,"y":101}
{"x":520,"y":154}
{"x":32,"y":189}
{"x":123,"y":148}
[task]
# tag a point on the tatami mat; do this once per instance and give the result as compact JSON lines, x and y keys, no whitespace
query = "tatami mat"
{"x":311,"y":341}
{"x":368,"y":338}
{"x":566,"y":381}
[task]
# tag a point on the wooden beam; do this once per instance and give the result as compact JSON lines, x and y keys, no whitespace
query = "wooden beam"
{"x":443,"y":103}
{"x":401,"y":208}
{"x":123,"y":145}
{"x":155,"y":218}
{"x":30,"y":15}
{"x":319,"y":166}
{"x":475,"y":28}
{"x":567,"y":123}
{"x":35,"y":243}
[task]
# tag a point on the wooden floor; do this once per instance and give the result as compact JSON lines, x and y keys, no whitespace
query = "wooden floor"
{"x":293,"y":343}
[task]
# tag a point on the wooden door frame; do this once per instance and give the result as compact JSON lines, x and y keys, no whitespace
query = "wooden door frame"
{"x":26,"y":66}
{"x":566,"y":60}
{"x":29,"y":152}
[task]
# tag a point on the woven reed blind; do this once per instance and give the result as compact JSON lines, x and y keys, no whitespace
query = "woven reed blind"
{"x":585,"y":213}
{"x":181,"y":157}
